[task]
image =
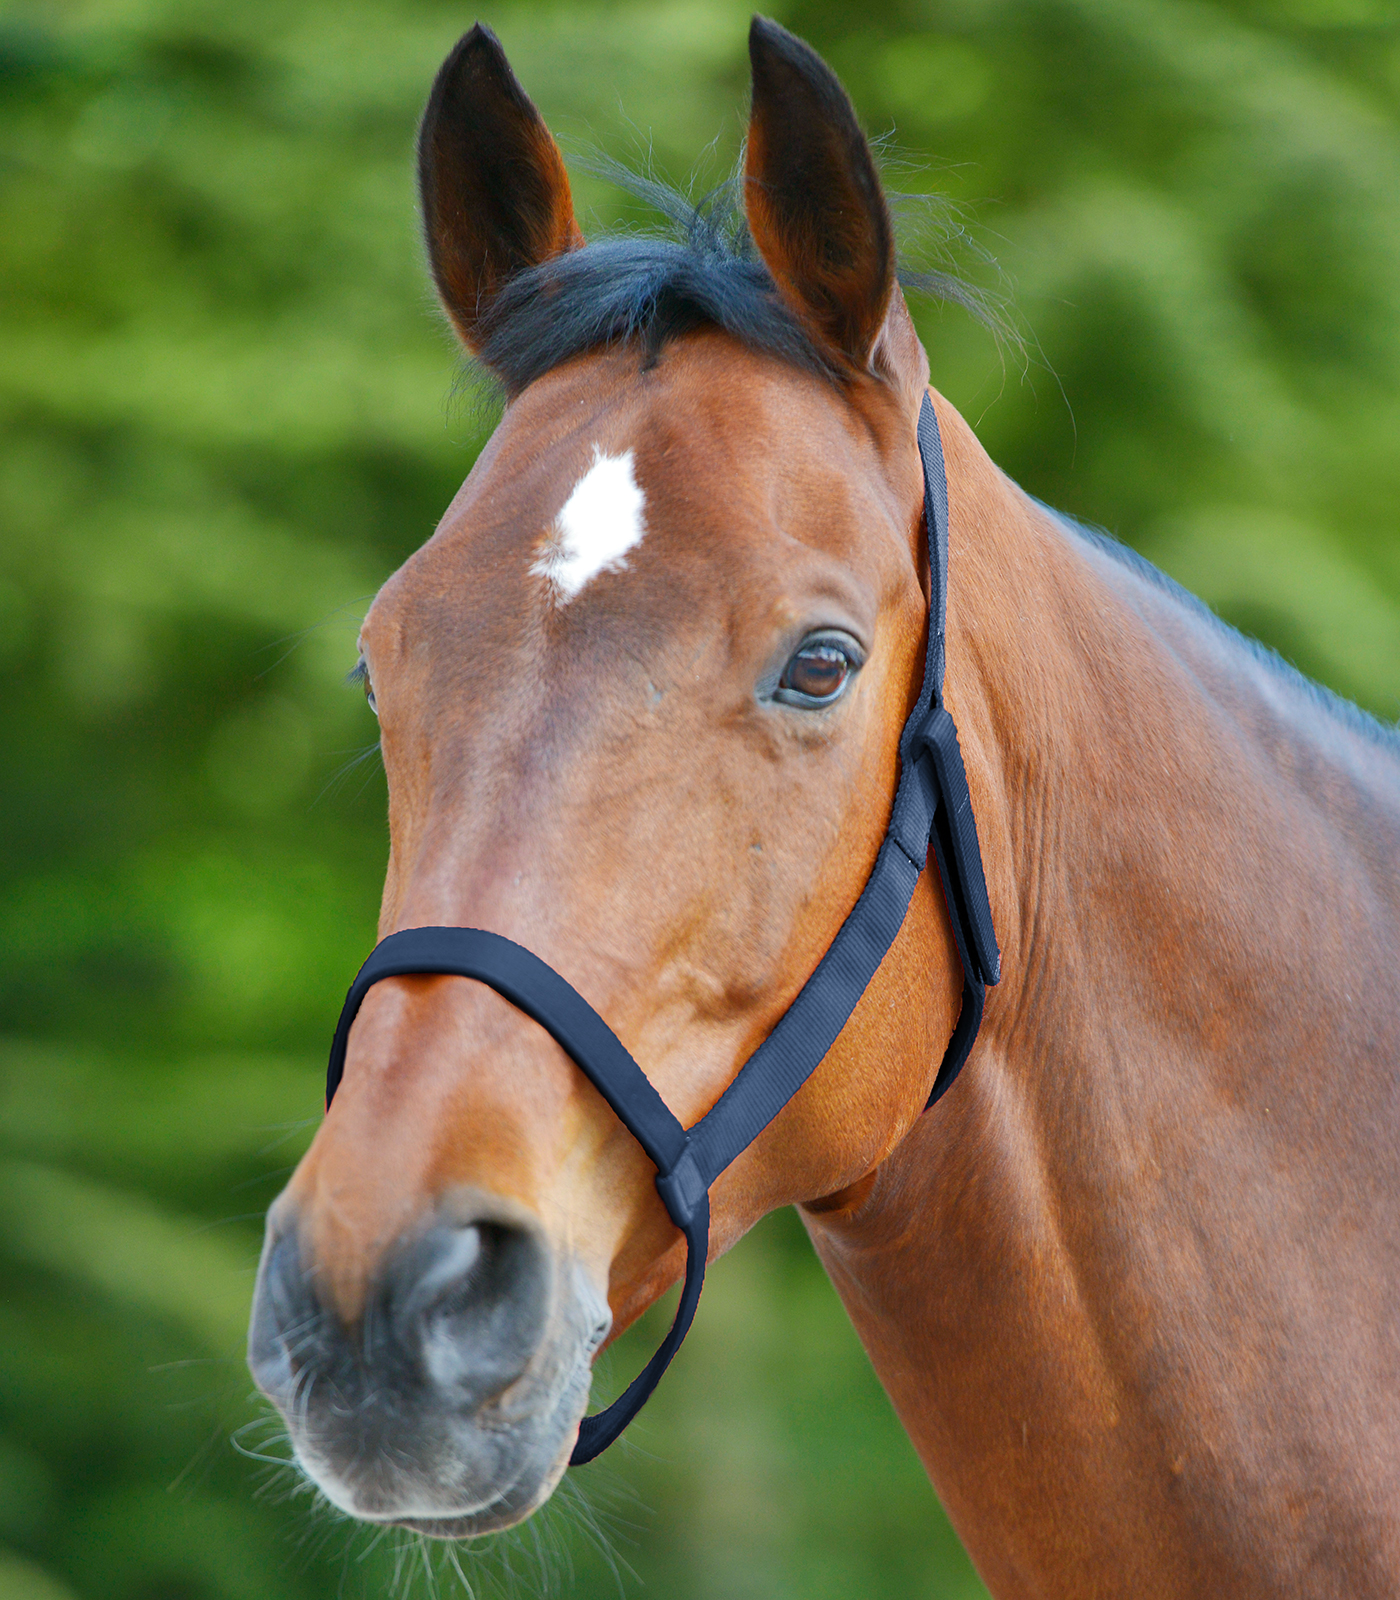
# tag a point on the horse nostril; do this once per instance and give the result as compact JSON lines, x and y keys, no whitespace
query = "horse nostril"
{"x":470,"y":1303}
{"x":458,"y":1254}
{"x":285,"y":1320}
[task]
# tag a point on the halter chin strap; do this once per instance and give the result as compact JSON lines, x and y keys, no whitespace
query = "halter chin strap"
{"x":932,"y":808}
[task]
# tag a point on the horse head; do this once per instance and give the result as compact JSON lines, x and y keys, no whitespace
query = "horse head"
{"x":640,"y":699}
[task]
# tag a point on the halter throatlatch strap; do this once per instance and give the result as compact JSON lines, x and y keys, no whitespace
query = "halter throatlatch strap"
{"x":932,"y":808}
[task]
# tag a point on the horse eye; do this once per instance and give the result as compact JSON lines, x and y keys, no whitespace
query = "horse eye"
{"x":816,"y":675}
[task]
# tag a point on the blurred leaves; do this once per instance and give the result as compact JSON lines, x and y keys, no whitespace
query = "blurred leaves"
{"x":26,"y":1580}
{"x":121,"y":1246}
{"x":228,"y":411}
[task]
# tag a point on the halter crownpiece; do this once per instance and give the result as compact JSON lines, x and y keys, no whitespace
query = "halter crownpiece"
{"x":932,"y":809}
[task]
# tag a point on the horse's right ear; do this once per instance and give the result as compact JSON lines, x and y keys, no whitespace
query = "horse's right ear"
{"x":492,"y":183}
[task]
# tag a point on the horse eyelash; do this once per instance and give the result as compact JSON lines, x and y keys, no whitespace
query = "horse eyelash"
{"x":358,"y":673}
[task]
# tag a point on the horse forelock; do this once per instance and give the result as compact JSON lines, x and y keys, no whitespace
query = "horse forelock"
{"x":645,"y":290}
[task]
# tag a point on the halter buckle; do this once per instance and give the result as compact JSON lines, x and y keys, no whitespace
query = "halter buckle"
{"x":682,"y":1189}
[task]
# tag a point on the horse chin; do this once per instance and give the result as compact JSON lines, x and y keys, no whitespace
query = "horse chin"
{"x":485,"y":1474}
{"x":512,"y":1508}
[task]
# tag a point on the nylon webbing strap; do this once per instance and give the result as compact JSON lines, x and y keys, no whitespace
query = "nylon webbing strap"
{"x":931,"y":807}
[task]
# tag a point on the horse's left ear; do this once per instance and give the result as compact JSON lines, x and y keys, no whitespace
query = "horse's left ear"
{"x":815,"y":207}
{"x":494,"y":191}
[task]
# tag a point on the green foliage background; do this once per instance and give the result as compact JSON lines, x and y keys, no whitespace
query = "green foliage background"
{"x":227,"y":416}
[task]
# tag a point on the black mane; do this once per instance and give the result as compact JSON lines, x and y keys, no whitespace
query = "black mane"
{"x":650,"y":288}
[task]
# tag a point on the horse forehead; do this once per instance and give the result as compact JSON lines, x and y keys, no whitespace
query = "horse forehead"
{"x":687,"y":471}
{"x":538,"y":531}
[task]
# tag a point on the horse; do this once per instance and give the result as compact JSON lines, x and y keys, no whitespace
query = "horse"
{"x":1132,"y":1286}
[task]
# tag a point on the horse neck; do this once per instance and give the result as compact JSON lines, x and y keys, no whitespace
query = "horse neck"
{"x":1128,"y":1231}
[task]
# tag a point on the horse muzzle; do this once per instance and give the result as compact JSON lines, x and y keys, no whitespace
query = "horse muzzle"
{"x":451,"y":1404}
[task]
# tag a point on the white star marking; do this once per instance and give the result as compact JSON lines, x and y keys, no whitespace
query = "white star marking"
{"x":599,"y":523}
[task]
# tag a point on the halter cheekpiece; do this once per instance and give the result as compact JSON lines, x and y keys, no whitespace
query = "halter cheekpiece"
{"x":932,"y":808}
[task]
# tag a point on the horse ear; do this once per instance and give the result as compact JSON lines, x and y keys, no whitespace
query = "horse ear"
{"x":492,"y":183}
{"x":815,"y":207}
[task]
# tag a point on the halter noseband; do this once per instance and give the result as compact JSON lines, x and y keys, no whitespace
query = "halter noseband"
{"x":932,"y":807}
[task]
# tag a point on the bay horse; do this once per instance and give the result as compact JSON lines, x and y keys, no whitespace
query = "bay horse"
{"x":1133,"y":1286}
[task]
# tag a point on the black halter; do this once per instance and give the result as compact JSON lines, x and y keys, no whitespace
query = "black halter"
{"x":932,"y":807}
